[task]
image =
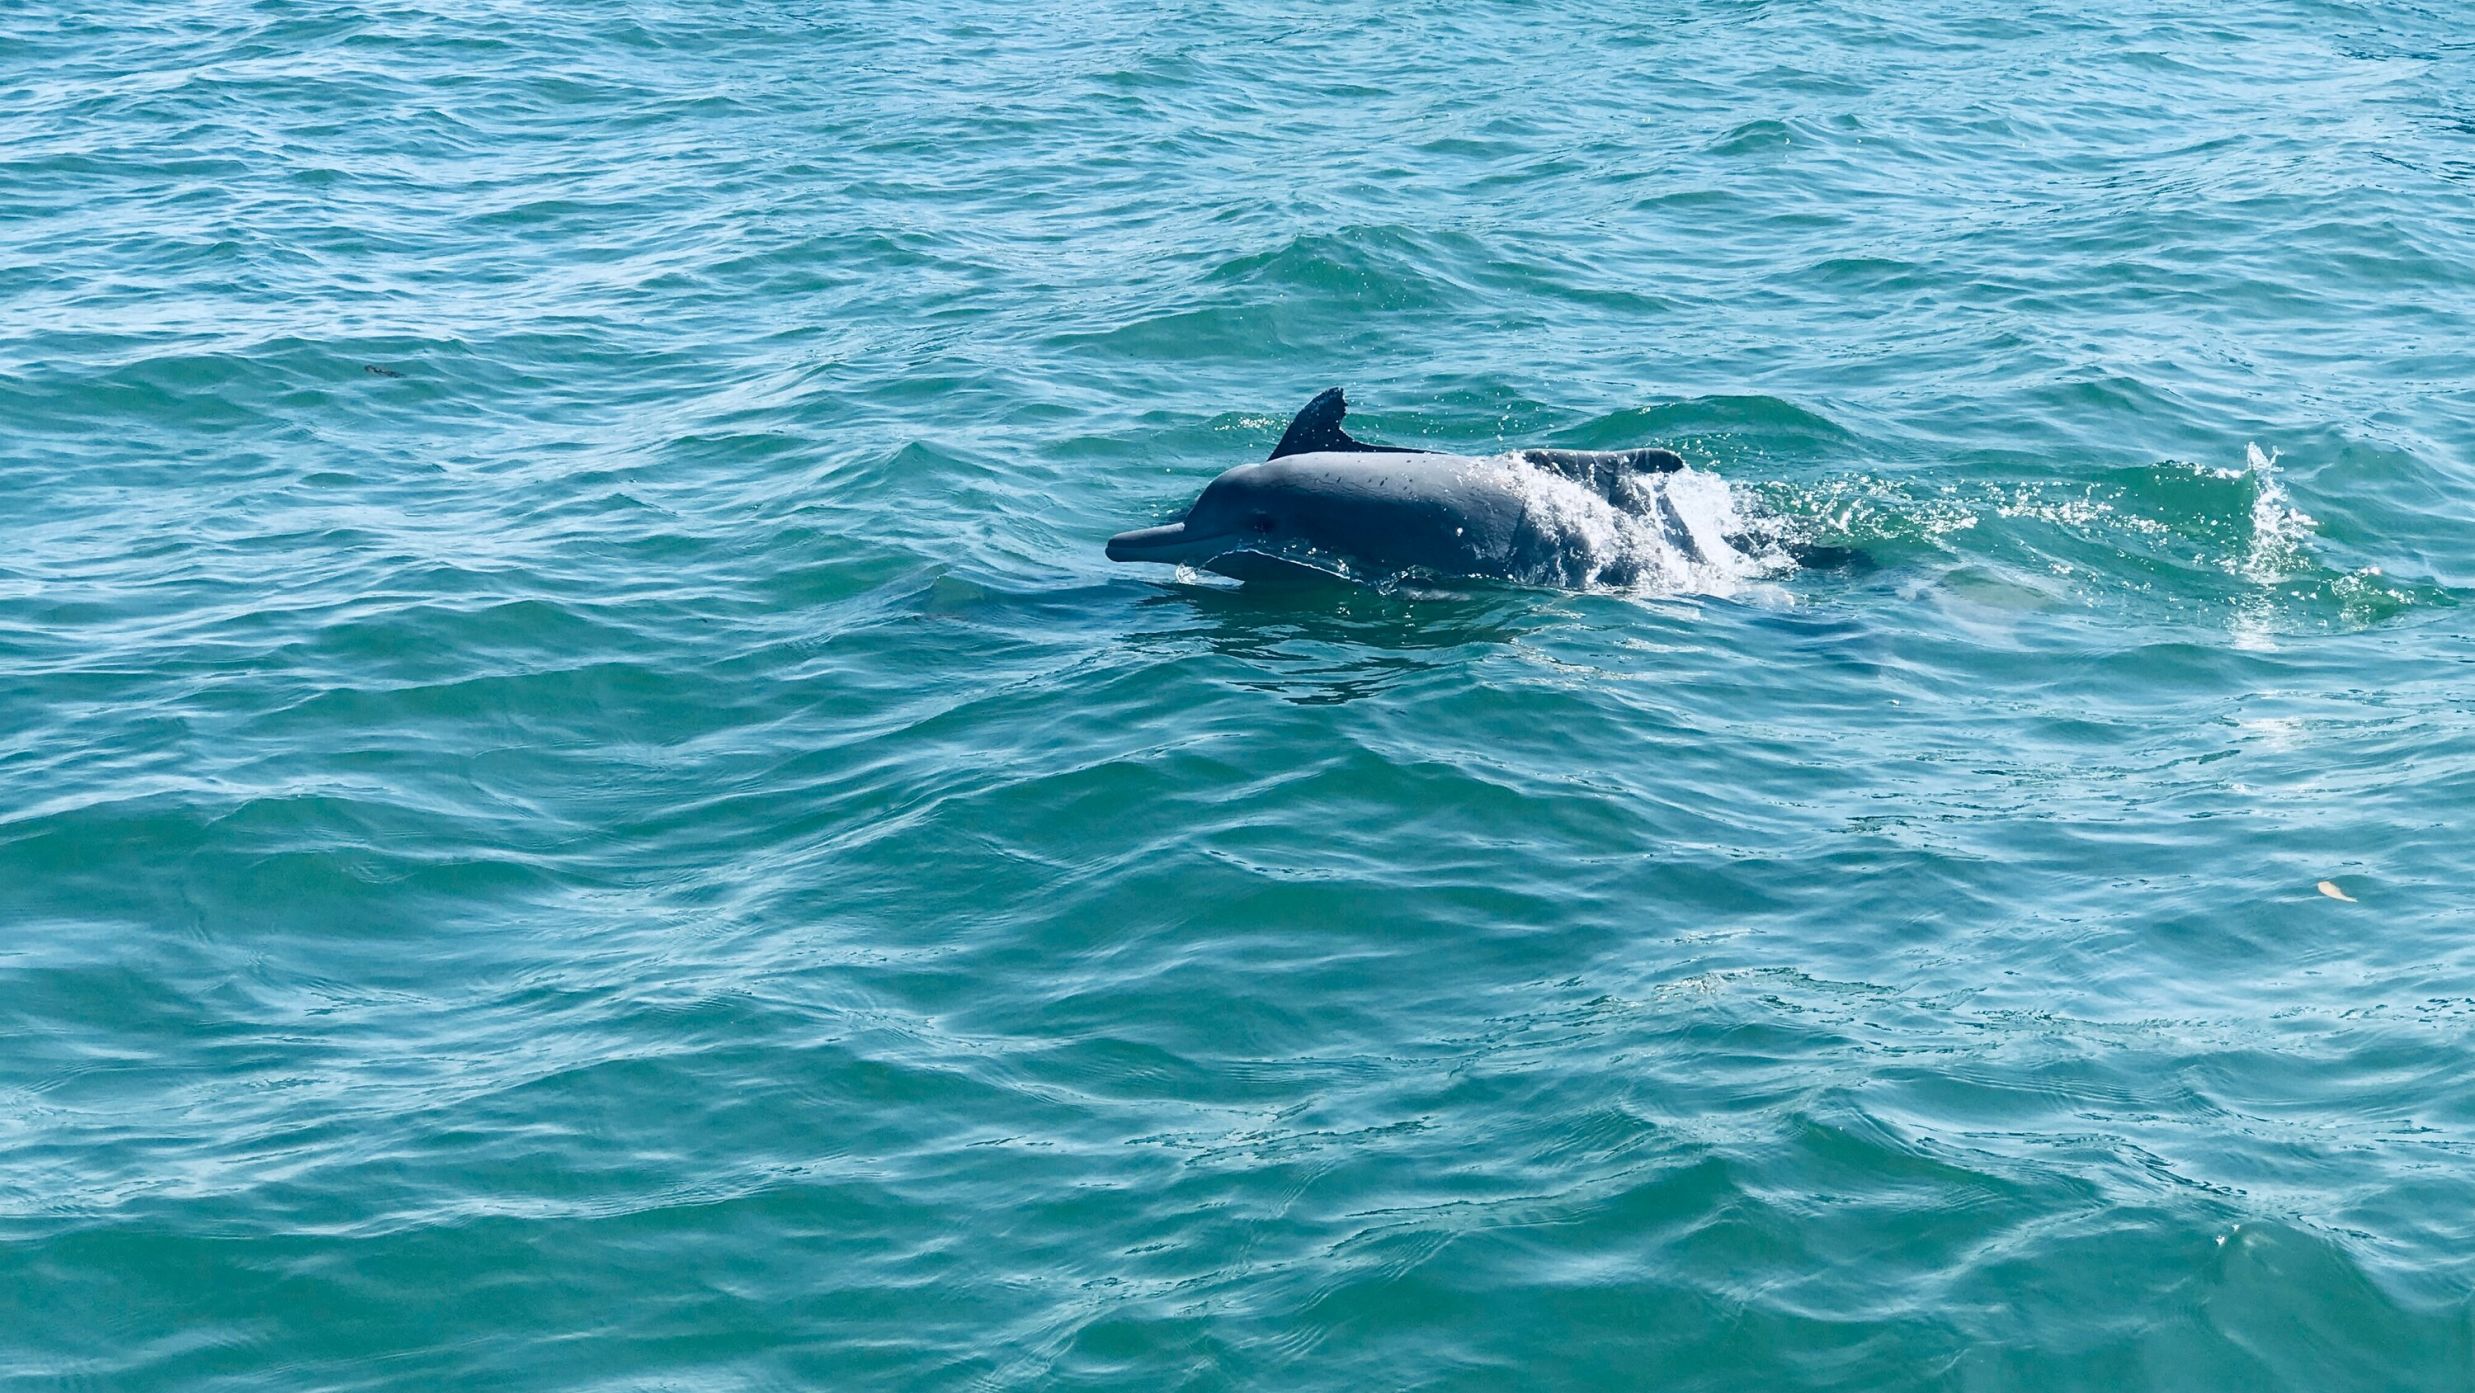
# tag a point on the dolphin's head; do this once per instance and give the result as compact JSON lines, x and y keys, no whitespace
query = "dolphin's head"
{"x":1253,"y":507}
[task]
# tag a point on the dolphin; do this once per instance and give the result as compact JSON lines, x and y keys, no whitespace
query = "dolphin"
{"x":1326,"y":502}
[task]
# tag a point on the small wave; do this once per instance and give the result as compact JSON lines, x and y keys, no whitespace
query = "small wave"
{"x":1388,"y":267}
{"x":1755,"y":136}
{"x":2229,"y":543}
{"x":1750,"y":426}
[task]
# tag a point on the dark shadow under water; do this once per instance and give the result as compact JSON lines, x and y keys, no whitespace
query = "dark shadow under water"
{"x":1322,"y":641}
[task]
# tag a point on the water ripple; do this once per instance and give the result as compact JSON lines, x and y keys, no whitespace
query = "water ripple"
{"x":578,"y":804}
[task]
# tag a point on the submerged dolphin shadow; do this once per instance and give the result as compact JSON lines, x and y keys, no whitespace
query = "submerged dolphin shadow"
{"x":1324,"y":641}
{"x":1316,"y":640}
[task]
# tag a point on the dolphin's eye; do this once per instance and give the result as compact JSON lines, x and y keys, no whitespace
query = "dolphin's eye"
{"x":1261,"y":522}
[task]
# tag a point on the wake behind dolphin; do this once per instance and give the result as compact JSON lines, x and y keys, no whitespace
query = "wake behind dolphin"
{"x":1578,"y":519}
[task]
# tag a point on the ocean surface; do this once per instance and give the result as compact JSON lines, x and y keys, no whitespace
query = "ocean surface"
{"x":581,"y":809}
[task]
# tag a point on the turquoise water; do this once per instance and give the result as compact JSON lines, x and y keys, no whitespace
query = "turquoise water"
{"x":580,"y":809}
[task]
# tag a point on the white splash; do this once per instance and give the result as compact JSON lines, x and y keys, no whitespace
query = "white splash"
{"x":2274,"y":552}
{"x":2278,"y":527}
{"x":1682,"y":533}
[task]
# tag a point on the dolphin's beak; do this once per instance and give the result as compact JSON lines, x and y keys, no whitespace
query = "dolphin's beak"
{"x":1170,"y":545}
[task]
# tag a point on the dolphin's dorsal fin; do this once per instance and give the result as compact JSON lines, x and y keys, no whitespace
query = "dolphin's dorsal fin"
{"x":1318,"y":429}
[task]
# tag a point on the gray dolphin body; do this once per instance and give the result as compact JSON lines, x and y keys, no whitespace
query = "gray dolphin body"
{"x":1327,"y":502}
